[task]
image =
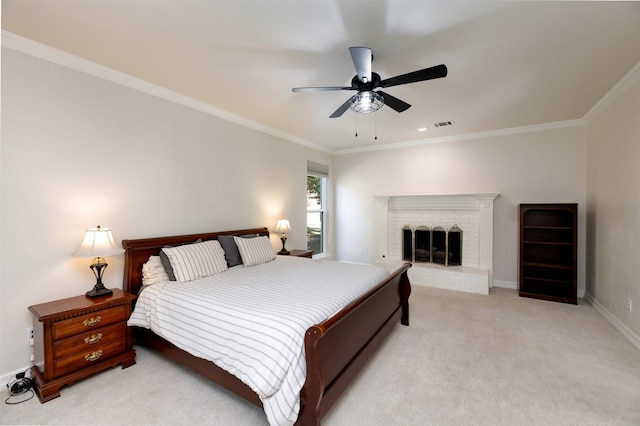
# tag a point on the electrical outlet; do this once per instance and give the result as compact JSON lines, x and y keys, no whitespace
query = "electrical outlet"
{"x":30,"y":335}
{"x":629,"y":305}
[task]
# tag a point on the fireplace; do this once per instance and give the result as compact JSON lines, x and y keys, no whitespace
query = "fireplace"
{"x":434,"y":245}
{"x":427,"y":230}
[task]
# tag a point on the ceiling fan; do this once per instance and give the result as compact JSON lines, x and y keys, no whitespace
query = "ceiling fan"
{"x":367,"y":100}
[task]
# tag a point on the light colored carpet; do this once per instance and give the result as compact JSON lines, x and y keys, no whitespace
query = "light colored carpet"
{"x":465,"y":360}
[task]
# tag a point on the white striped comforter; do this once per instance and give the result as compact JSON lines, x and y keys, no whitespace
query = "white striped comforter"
{"x":251,"y":321}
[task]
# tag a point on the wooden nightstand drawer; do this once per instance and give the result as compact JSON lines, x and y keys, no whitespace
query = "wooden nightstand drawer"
{"x":87,"y":341}
{"x":87,"y":357}
{"x":89,"y":321}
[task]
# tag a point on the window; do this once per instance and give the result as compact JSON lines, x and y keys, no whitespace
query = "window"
{"x":315,"y":213}
{"x":316,"y":206}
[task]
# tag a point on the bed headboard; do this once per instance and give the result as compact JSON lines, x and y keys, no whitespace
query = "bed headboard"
{"x":137,"y":252}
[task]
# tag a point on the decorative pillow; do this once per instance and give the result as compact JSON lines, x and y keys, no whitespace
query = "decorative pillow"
{"x":255,"y":251}
{"x":198,"y":260}
{"x":166,"y":264}
{"x":153,"y":271}
{"x":230,"y":248}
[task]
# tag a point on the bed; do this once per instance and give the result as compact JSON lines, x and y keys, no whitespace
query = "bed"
{"x":335,"y":349}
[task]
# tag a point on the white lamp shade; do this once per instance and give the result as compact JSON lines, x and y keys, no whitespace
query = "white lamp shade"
{"x":98,"y":242}
{"x":283,"y":226}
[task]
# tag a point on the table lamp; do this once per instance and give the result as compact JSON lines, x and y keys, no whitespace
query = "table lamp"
{"x":98,"y":243}
{"x":283,"y":227}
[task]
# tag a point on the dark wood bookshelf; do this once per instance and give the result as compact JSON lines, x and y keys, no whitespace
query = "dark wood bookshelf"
{"x":548,"y":252}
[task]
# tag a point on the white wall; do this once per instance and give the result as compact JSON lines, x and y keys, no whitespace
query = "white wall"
{"x":547,"y":166}
{"x":614,"y":209}
{"x":78,"y":151}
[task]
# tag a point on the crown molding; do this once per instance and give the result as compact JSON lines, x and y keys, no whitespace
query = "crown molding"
{"x":48,"y":53}
{"x":630,"y":78}
{"x":467,"y":136}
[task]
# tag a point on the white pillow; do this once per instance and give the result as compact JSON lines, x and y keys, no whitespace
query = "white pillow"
{"x":153,"y":272}
{"x":255,"y":251}
{"x":198,"y":260}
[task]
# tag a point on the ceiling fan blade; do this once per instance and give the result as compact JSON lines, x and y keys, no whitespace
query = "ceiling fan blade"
{"x":393,"y":102}
{"x":361,"y":57}
{"x":342,"y":109}
{"x":438,"y":71}
{"x":319,"y":89}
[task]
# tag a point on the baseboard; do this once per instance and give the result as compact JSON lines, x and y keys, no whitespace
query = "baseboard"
{"x":514,"y":286}
{"x":632,"y":337}
{"x":505,"y":284}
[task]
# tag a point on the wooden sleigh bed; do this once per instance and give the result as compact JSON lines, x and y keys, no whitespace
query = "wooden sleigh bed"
{"x":336,"y":349}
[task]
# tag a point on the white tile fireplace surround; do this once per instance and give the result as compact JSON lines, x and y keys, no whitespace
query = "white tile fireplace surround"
{"x":473,"y":213}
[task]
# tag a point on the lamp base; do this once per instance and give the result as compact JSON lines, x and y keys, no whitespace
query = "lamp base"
{"x":284,"y":251}
{"x":99,"y":289}
{"x":96,"y":292}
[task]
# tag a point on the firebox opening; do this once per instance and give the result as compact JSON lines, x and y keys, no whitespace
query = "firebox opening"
{"x":407,"y":244}
{"x":422,"y":244}
{"x":435,"y":245}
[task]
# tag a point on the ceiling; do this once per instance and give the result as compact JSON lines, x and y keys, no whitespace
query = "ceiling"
{"x":511,"y":64}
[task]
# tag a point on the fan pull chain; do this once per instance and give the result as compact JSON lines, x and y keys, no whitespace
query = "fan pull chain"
{"x":376,"y":134}
{"x":356,"y":124}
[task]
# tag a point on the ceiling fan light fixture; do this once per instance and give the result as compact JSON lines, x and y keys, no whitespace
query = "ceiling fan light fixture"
{"x":366,"y":101}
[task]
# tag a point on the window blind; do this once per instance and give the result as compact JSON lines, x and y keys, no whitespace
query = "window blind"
{"x":317,"y":169}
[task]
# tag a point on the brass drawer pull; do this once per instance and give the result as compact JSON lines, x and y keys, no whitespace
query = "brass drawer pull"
{"x":92,"y":321}
{"x":94,"y":338}
{"x":93,"y":355}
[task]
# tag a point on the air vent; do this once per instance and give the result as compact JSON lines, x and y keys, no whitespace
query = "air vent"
{"x":443,"y":124}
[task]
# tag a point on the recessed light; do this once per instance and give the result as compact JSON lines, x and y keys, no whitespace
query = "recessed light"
{"x":422,"y":129}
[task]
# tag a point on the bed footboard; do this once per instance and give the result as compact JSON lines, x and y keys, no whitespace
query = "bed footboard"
{"x":338,"y":349}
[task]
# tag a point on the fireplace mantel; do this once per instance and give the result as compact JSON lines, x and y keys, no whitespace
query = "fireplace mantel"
{"x":455,"y":208}
{"x":438,"y":201}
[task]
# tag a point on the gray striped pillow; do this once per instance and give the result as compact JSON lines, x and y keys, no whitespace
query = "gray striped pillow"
{"x":198,"y":260}
{"x":255,"y":251}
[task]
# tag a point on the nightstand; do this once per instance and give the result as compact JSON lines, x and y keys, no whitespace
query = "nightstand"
{"x":301,"y":253}
{"x":77,"y":337}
